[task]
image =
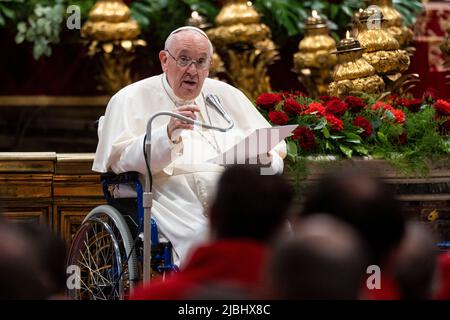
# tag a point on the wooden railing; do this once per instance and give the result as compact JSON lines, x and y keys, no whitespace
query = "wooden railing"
{"x":60,"y":189}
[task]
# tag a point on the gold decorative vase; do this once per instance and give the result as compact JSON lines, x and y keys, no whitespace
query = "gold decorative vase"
{"x":245,"y":46}
{"x":314,"y":61}
{"x":353,"y":73}
{"x":381,"y":49}
{"x":394,"y":22}
{"x":112,"y":35}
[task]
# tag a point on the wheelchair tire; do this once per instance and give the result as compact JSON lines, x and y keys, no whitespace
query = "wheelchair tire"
{"x":100,"y":250}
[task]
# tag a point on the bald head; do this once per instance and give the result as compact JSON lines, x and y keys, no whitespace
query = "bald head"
{"x":324,"y":260}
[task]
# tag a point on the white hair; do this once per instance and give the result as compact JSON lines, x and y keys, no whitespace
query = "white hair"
{"x":169,"y":39}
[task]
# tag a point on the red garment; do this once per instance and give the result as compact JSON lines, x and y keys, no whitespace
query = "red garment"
{"x":234,"y":262}
{"x":389,"y":290}
{"x":443,"y":292}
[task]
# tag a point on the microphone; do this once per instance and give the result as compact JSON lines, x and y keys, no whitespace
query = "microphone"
{"x":214,"y":101}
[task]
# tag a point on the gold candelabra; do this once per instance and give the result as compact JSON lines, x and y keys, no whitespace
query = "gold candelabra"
{"x":394,"y":22}
{"x":353,"y":73}
{"x":381,"y":49}
{"x":314,"y":61}
{"x":245,"y":46}
{"x":112,"y":35}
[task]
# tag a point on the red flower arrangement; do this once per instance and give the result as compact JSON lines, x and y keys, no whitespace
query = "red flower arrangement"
{"x":359,"y":126}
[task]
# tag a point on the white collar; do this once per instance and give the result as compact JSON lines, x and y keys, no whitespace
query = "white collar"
{"x":178,"y":101}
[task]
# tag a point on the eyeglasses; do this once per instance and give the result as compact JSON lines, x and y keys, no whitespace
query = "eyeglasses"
{"x":185,"y":61}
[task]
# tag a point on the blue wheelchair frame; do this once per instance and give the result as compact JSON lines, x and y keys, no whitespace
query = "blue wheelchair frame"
{"x":163,"y":262}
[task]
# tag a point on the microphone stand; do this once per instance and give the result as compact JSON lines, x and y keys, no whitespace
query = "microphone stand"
{"x":148,"y":196}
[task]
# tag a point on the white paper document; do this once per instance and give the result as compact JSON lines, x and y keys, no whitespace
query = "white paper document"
{"x":259,"y":142}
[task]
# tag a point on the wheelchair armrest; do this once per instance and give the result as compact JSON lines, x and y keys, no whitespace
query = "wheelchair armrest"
{"x":125,"y":177}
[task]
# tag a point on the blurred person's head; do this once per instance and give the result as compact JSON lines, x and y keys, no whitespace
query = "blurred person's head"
{"x":324,"y":260}
{"x":365,"y":203}
{"x":416,"y":262}
{"x":249,"y":205}
{"x":52,"y":253}
{"x":20,"y":273}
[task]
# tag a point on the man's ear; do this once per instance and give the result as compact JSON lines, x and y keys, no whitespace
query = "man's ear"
{"x":163,"y":59}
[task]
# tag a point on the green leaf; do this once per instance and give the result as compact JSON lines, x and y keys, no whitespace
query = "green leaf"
{"x":322,"y":123}
{"x":346,"y":150}
{"x":361,"y":150}
{"x":352,"y":136}
{"x":21,"y":27}
{"x":6,"y":12}
{"x":20,"y":37}
{"x":292,"y":149}
{"x":382,"y":137}
{"x":334,"y":137}
{"x":326,"y":133}
{"x":353,"y":141}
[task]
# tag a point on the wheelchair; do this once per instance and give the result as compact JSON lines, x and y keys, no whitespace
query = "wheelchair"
{"x":107,"y":249}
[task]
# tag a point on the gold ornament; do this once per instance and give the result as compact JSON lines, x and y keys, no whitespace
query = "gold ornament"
{"x":353,"y":73}
{"x":245,"y":46}
{"x":314,"y":61}
{"x":394,"y":22}
{"x":381,"y":49}
{"x":113,"y":36}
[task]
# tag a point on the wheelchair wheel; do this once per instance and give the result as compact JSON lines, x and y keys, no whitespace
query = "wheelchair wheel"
{"x":103,"y":251}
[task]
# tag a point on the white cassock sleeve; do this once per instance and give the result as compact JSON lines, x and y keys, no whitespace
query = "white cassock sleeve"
{"x":121,"y":141}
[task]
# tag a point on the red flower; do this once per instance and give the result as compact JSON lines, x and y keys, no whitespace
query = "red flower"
{"x":381,"y":105}
{"x":355,"y":104}
{"x":365,"y":124}
{"x":278,"y":117}
{"x":430,"y":95}
{"x":399,"y":115}
{"x":336,"y":107}
{"x":334,"y":123}
{"x":315,"y":107}
{"x":268,"y":100}
{"x":442,"y":107}
{"x":305,"y":137}
{"x":292,"y":106}
{"x":412,"y":105}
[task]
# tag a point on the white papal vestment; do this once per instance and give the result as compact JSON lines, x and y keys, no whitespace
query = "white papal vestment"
{"x":183,"y":182}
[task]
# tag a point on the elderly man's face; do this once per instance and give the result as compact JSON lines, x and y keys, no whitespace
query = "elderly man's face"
{"x":187,"y":81}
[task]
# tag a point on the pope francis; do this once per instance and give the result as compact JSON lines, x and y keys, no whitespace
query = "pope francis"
{"x":183,"y":180}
